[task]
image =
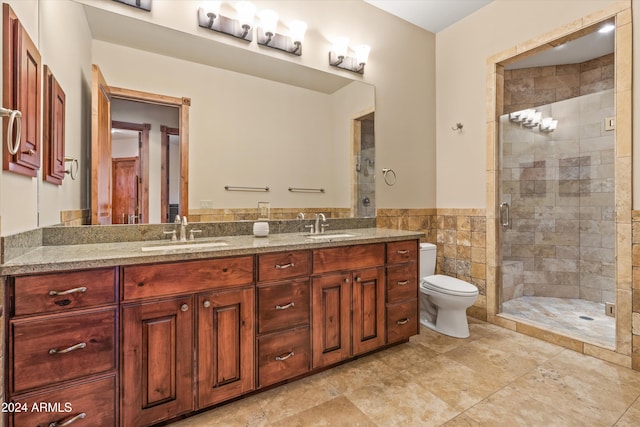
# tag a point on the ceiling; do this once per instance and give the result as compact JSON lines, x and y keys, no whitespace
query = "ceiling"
{"x":436,"y":15}
{"x":432,"y":15}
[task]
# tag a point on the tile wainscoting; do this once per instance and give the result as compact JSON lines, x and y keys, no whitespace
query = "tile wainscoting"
{"x":635,"y":354}
{"x":460,"y":235}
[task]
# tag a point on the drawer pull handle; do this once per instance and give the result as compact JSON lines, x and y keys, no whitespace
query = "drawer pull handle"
{"x":284,"y":307}
{"x":68,"y":291}
{"x":283,"y":266}
{"x":403,"y":282}
{"x":403,"y":252}
{"x":68,"y":421}
{"x":68,"y":349}
{"x":285,"y":357}
{"x":402,"y":321}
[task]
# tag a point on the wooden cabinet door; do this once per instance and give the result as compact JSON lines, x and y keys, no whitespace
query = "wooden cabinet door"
{"x":125,"y":196}
{"x":225,"y":345}
{"x":157,"y":368}
{"x":368,"y":310}
{"x":331,"y":318}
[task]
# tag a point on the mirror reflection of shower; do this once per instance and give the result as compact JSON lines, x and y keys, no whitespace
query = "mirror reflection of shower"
{"x":364,"y":161}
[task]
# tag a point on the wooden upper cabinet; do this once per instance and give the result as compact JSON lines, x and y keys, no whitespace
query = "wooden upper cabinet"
{"x":21,"y":71}
{"x":53,"y":130}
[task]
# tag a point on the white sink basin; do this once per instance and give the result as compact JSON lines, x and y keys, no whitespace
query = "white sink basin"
{"x":183,"y":245}
{"x":328,"y":236}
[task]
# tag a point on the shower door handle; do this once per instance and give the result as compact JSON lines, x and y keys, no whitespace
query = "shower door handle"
{"x":505,"y":221}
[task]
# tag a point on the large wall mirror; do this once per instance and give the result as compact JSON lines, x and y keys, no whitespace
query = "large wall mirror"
{"x":255,"y":122}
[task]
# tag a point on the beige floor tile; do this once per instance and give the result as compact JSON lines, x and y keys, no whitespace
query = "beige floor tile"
{"x":456,"y":384}
{"x":399,"y":401}
{"x":519,"y":344}
{"x":339,"y":412}
{"x":631,"y":418}
{"x":502,"y":366}
{"x":243,"y":413}
{"x":295,"y":397}
{"x":438,"y":342}
{"x":461,"y":421}
{"x":509,"y":408}
{"x":361,"y":373}
{"x":403,"y":355}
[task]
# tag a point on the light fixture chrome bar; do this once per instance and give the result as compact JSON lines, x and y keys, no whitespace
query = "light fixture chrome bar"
{"x":346,"y":63}
{"x":306,"y":190}
{"x":238,"y":188}
{"x":222,"y":24}
{"x":138,"y":4}
{"x":279,"y":41}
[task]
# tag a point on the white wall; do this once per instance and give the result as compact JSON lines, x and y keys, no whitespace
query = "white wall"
{"x":461,"y":62}
{"x":64,"y":42}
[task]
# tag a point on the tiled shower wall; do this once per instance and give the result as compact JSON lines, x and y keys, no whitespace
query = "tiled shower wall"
{"x":365,"y":170}
{"x":560,"y":188}
{"x":529,"y":87}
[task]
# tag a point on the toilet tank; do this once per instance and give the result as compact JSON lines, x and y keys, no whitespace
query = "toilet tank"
{"x":427,"y":259}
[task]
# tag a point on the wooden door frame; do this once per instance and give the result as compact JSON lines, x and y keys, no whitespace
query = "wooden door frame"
{"x":165,"y":132}
{"x":183,"y":105}
{"x":143,"y":129}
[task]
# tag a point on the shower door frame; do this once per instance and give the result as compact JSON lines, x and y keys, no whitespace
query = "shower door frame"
{"x":621,"y":14}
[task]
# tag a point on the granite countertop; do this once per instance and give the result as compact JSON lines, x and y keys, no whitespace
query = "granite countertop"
{"x":68,"y":257}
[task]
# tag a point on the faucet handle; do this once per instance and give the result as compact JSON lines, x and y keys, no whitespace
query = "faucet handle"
{"x":177,"y":219}
{"x":173,"y":235}
{"x":191,"y":233}
{"x":323,"y":226}
{"x":310,"y":227}
{"x":184,"y":220}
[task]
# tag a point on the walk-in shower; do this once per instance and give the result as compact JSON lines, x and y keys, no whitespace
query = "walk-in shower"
{"x":557,"y":218}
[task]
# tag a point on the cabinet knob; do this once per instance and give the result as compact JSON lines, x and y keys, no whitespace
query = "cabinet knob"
{"x":358,"y":279}
{"x":207,"y":304}
{"x":346,"y":280}
{"x":184,"y":307}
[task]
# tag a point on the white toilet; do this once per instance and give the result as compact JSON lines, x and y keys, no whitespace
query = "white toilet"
{"x":443,"y":299}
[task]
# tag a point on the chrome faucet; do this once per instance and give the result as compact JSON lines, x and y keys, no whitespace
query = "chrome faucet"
{"x":183,"y":227}
{"x":318,"y":228}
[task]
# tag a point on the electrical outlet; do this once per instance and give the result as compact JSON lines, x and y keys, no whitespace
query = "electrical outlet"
{"x":263,"y":210}
{"x":609,"y":123}
{"x":610,"y":309}
{"x":206,"y":204}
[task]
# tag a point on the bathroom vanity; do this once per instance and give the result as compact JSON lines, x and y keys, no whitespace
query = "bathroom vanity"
{"x":115,"y":335}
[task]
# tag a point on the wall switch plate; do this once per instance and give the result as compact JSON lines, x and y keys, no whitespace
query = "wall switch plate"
{"x":609,"y":123}
{"x":610,"y":309}
{"x":264,"y":209}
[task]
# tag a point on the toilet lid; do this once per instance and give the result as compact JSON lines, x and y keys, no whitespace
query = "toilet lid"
{"x":448,"y":285}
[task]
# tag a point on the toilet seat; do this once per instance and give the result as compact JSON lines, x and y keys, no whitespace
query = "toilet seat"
{"x":448,"y":285}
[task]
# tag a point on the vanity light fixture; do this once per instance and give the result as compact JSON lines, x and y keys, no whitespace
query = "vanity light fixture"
{"x":548,"y":124}
{"x":338,"y":56}
{"x":209,"y":17}
{"x":140,"y":4}
{"x":268,"y":36}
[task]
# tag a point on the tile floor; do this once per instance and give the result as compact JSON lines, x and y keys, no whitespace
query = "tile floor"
{"x":496,"y":377}
{"x":562,"y":315}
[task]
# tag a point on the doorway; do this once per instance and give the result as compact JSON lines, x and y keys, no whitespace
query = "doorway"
{"x":363,"y":160}
{"x":498,"y":220}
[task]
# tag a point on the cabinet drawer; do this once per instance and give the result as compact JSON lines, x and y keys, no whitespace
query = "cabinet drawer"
{"x":402,"y":281}
{"x":66,"y":347}
{"x":141,"y":281}
{"x":49,"y":293}
{"x":96,"y":399}
{"x":283,"y":305}
{"x":399,"y":252}
{"x":284,"y":265}
{"x":348,"y":258}
{"x":402,"y":321}
{"x":283,"y":355}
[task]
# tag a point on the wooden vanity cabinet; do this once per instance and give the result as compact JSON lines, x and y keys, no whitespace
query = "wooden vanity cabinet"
{"x":348,"y":305}
{"x":283,"y":340}
{"x":187,"y":334}
{"x":63,"y":346}
{"x":403,"y":316}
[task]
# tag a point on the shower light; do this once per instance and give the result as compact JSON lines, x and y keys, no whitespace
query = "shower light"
{"x":607,"y":28}
{"x":548,"y":124}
